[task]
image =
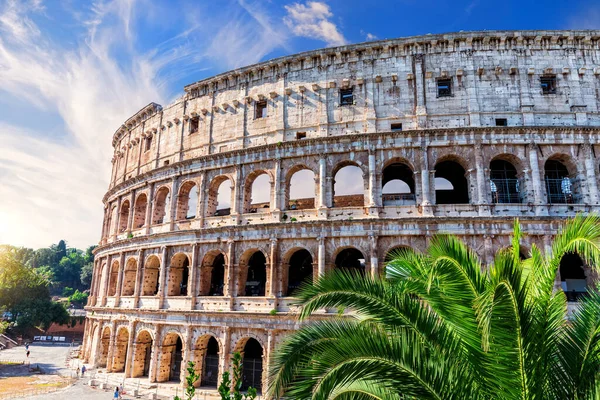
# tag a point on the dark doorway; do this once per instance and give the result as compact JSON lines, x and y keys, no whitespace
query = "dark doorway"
{"x":457,"y":192}
{"x":252,"y":366}
{"x":572,"y":276}
{"x":217,"y":277}
{"x":300,"y":270}
{"x":559,"y":187}
{"x":210,"y":373}
{"x":398,"y":185}
{"x":351,"y":259}
{"x":176,"y":359}
{"x":504,"y":182}
{"x":257,"y":275}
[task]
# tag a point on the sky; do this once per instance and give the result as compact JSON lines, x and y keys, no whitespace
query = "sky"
{"x":71,"y":71}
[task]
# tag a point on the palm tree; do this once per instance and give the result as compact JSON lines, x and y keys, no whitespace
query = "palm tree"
{"x":442,"y":327}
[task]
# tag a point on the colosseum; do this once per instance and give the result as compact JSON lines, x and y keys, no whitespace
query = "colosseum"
{"x":221,"y":203}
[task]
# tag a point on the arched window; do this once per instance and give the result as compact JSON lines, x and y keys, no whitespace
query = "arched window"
{"x":300,"y":270}
{"x":252,"y":365}
{"x":143,"y":355}
{"x":114,"y":276}
{"x":398,"y":185}
{"x":504,"y":182}
{"x":212,"y":274}
{"x":123,"y":216}
{"x":151,"y":274}
{"x":187,"y":201}
{"x":112,"y":221}
{"x":178,"y":275}
{"x":352,"y":259}
{"x":129,"y":278}
{"x":255,"y":279}
{"x":301,"y":191}
{"x":572,"y":276}
{"x":451,"y":185}
{"x":139,"y":216}
{"x":348,"y":188}
{"x":559,"y":186}
{"x":257,"y":193}
{"x":104,"y":346}
{"x":219,"y":197}
{"x":160,"y":206}
{"x":210,"y":370}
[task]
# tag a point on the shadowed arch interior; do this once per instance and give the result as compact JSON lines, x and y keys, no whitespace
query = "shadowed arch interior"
{"x":121,"y":349}
{"x":398,"y":185}
{"x":210,"y":369}
{"x":572,"y":276}
{"x":187,"y":201}
{"x":161,"y":202}
{"x":252,"y":365}
{"x":300,"y":270}
{"x":454,"y":173}
{"x":139,"y":216}
{"x":151,"y":274}
{"x":124,"y":216}
{"x":504,"y":182}
{"x":254,"y":281}
{"x":143,"y":354}
{"x":129,"y":275}
{"x":352,"y":259}
{"x":559,"y":187}
{"x":212,"y":274}
{"x":179,"y":273}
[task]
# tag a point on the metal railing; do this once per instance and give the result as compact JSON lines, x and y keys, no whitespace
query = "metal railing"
{"x":397,"y":199}
{"x":505,"y":190}
{"x":559,"y":191}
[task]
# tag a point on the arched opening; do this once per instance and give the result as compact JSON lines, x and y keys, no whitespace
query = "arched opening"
{"x":171,"y":357}
{"x":254,"y":280}
{"x":257,"y":193}
{"x":210,"y":368}
{"x":114,"y":276}
{"x":179,"y":273}
{"x":143,"y":354}
{"x":348,"y":187}
{"x":212,"y":274}
{"x":100,"y":285}
{"x":451,"y":185}
{"x":160,"y":206}
{"x":351,"y":259}
{"x":504,"y":182}
{"x":112,"y":221}
{"x":219,"y":197}
{"x":572,"y":276}
{"x":151,"y":274}
{"x":123,"y":216}
{"x":104,"y":346}
{"x":139,"y":216}
{"x":398,"y":185}
{"x":559,"y":187}
{"x":300,"y":270}
{"x":301,"y":190}
{"x":252,"y":365}
{"x":120,"y":351}
{"x":187,"y":201}
{"x":129,"y":277}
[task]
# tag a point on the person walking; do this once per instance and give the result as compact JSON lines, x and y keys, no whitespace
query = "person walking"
{"x":82,"y":371}
{"x":27,"y":353}
{"x":117,"y":394}
{"x":78,"y":371}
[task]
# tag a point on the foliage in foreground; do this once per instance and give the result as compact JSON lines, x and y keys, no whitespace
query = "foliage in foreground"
{"x":442,"y":327}
{"x":190,"y":381}
{"x":225,"y":388}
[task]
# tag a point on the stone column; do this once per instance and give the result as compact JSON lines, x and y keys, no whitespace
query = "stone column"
{"x":276,"y":195}
{"x":120,"y":278}
{"x":93,"y":283}
{"x":131,"y":212}
{"x":111,"y":346}
{"x":229,"y":290}
{"x":193,"y":277}
{"x":149,"y":208}
{"x":173,"y":206}
{"x":104,"y":222}
{"x":130,"y":350}
{"x":162,"y":280}
{"x":590,"y":170}
{"x":374,"y":260}
{"x":488,"y":248}
{"x":271,"y":334}
{"x":139,"y":277}
{"x":224,"y":355}
{"x":372,"y":180}
{"x":117,"y":217}
{"x":425,"y":183}
{"x":156,"y":346}
{"x":187,"y":353}
{"x":321,"y":255}
{"x":323,"y":203}
{"x":536,"y":181}
{"x":420,"y":90}
{"x":202,"y":195}
{"x":236,"y":191}
{"x":272,"y":275}
{"x":482,"y":201}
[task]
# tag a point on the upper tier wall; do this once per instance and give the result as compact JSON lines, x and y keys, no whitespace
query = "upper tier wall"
{"x":492,"y":75}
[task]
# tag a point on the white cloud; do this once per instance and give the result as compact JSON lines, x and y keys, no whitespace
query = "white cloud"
{"x":53,"y":178}
{"x":368,"y":36}
{"x":311,"y":20}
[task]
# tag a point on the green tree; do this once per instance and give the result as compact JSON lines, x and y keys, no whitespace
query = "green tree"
{"x":226,"y":385}
{"x":190,"y":381}
{"x":442,"y":327}
{"x":78,"y":298}
{"x":85,"y":276}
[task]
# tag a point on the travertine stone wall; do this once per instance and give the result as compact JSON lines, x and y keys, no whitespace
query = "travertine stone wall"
{"x":165,"y":157}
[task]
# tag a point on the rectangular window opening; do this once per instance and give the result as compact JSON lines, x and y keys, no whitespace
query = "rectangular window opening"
{"x":396,"y":127}
{"x":501,"y":122}
{"x":300,"y":135}
{"x":194,"y":122}
{"x":444,"y":87}
{"x":148,"y":144}
{"x":166,"y":162}
{"x":260,"y":109}
{"x":346,"y":97}
{"x":548,"y":84}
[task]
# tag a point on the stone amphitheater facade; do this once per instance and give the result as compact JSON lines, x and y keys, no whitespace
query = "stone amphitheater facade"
{"x":468,"y":130}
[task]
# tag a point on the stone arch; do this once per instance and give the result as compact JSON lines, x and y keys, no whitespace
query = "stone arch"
{"x":257,"y":191}
{"x":297,"y":195}
{"x":573,"y":278}
{"x":102,"y":280}
{"x":217,"y":196}
{"x":151,"y":275}
{"x":120,"y":350}
{"x":505,"y":180}
{"x":114,"y":277}
{"x":451,"y":183}
{"x":170,"y":358}
{"x":129,"y":276}
{"x":298,"y":268}
{"x":347,"y":189}
{"x":253,"y":354}
{"x":104,"y":344}
{"x":206,"y":356}
{"x":252,"y":278}
{"x":212,"y":273}
{"x":350,"y":258}
{"x":397,"y":183}
{"x":124,"y":216}
{"x":187,"y":201}
{"x":161,"y":205}
{"x":559,"y":177}
{"x":179,"y":274}
{"x":139,"y":213}
{"x":142,"y":354}
{"x":111,"y":224}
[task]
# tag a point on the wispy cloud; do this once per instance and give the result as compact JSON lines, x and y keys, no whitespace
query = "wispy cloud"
{"x":368,"y":36}
{"x":312,"y":20}
{"x":587,"y":17}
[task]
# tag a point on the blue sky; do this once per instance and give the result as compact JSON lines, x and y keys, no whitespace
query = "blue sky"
{"x":71,"y":71}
